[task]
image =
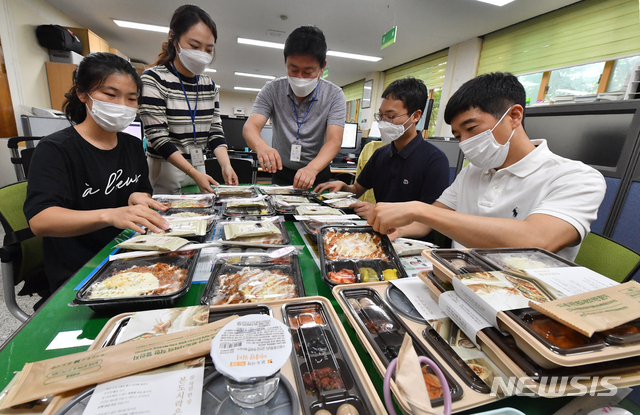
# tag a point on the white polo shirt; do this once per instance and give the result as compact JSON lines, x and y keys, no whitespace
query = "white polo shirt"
{"x":542,"y":182}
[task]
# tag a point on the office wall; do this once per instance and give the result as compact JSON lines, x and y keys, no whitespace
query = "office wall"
{"x":229,"y":100}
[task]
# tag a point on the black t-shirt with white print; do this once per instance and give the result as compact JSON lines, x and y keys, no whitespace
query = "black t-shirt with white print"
{"x":67,"y":171}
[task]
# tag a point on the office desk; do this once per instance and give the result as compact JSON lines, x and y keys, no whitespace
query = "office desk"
{"x":30,"y":342}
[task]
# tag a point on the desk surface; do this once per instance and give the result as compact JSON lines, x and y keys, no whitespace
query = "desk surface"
{"x":30,"y":342}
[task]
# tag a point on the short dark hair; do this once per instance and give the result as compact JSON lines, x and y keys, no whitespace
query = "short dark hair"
{"x":306,"y":40}
{"x":91,"y":73}
{"x":183,"y":18}
{"x":411,"y":91}
{"x":492,"y":93}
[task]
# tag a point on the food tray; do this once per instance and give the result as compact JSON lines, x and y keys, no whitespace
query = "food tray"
{"x":319,"y":362}
{"x":235,"y":192}
{"x":367,"y":390}
{"x":187,"y":201}
{"x":385,"y":332}
{"x":182,"y":259}
{"x":255,"y":279}
{"x":282,"y":239}
{"x":195,"y":213}
{"x":285,"y":190}
{"x":243,"y":212}
{"x":623,"y":335}
{"x":402,"y":305}
{"x":450,"y":262}
{"x":521,"y":258}
{"x":355,"y":265}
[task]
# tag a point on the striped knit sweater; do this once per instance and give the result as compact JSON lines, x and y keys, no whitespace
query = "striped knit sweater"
{"x":165,"y":113}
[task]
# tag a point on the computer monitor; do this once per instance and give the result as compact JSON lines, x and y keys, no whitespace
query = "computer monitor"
{"x":350,"y":137}
{"x":135,"y":129}
{"x":232,"y":127}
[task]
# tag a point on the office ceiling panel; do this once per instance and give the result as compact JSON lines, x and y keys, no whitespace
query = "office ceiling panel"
{"x":355,"y":26}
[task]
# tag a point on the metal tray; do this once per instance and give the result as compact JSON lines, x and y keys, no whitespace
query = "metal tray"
{"x":138,"y":303}
{"x":327,"y":266}
{"x":284,"y":238}
{"x":222,"y":268}
{"x":318,"y":350}
{"x":386,"y":338}
{"x":498,"y":258}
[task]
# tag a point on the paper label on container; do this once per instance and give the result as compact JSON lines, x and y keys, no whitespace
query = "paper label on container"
{"x":175,"y":390}
{"x":415,"y":264}
{"x":461,"y":313}
{"x":418,"y":293}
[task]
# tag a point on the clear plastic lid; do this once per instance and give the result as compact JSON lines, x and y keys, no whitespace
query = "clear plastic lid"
{"x":251,"y":347}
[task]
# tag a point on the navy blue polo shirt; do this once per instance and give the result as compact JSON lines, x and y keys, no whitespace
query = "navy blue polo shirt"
{"x":420,"y":171}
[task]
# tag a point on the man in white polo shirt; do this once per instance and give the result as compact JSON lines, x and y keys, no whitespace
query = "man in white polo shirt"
{"x":514,"y":192}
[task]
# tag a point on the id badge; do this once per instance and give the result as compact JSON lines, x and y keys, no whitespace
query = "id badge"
{"x":296,"y":149}
{"x":197,"y":157}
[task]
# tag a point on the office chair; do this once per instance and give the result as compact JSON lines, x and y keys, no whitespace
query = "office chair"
{"x":245,"y":165}
{"x":608,"y":257}
{"x":22,"y":159}
{"x":21,"y":253}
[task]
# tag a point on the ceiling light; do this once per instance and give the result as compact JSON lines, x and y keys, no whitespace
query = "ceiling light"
{"x":210,"y":70}
{"x":241,"y":88}
{"x":330,"y":53}
{"x":253,"y":75}
{"x":142,"y":26}
{"x":353,"y":56}
{"x":497,"y":2}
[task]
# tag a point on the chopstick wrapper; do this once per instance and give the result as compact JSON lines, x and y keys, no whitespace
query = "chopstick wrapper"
{"x":410,"y":379}
{"x":60,"y":374}
{"x":597,"y":310}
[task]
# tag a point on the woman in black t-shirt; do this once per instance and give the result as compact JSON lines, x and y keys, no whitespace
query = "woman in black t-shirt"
{"x":90,"y":180}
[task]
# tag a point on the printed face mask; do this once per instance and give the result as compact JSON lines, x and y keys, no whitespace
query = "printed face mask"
{"x":194,"y":60}
{"x":303,"y":86}
{"x":483,"y":151}
{"x":111,"y":117}
{"x":390,"y":132}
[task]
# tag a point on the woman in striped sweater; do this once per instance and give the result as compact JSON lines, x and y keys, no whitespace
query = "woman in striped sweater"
{"x":180,"y":108}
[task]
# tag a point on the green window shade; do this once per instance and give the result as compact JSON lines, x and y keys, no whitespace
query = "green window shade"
{"x":353,"y":90}
{"x":592,"y":30}
{"x":430,"y":69}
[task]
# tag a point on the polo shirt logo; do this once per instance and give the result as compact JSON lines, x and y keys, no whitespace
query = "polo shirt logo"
{"x":405,"y":181}
{"x":515,"y":211}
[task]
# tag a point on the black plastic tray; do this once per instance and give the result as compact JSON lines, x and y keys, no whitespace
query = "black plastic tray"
{"x":387,"y":337}
{"x":441,"y":285}
{"x":549,"y":259}
{"x":321,"y":200}
{"x":222,"y":268}
{"x":286,"y":240}
{"x":247,"y":212}
{"x":142,"y":302}
{"x":378,"y":265}
{"x":474,"y":264}
{"x":619,"y":338}
{"x":402,"y":305}
{"x":252,"y":192}
{"x":215,"y":400}
{"x":522,"y":316}
{"x":317,"y":347}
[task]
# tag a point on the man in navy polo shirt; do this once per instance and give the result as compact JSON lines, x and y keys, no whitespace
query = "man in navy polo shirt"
{"x":409,"y":168}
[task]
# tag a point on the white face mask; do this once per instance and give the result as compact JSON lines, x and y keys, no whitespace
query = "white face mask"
{"x":483,"y":151}
{"x":111,"y":117}
{"x":194,"y":60}
{"x":303,"y":86}
{"x":390,"y":132}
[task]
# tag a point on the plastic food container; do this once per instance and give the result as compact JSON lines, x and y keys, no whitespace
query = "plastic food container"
{"x":324,"y":374}
{"x":187,"y":201}
{"x":249,"y":352}
{"x":235,"y":192}
{"x":252,"y":283}
{"x":460,"y":262}
{"x":521,"y":258}
{"x":209,"y":213}
{"x":385,"y":332}
{"x":174,"y":272}
{"x":284,"y":190}
{"x":622,"y":335}
{"x":274,"y":239}
{"x":250,"y":211}
{"x":350,"y":254}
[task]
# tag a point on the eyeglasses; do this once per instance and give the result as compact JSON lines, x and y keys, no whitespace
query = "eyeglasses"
{"x":388,"y":118}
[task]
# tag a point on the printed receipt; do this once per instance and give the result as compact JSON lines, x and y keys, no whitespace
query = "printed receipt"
{"x":418,"y":293}
{"x":170,"y":392}
{"x":465,"y":317}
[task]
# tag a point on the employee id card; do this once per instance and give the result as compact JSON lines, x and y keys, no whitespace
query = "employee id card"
{"x":197,"y":156}
{"x":296,"y":149}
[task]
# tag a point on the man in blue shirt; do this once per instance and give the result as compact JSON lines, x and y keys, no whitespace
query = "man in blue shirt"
{"x":409,"y":168}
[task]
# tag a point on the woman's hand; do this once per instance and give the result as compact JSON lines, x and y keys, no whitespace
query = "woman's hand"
{"x":139,"y":198}
{"x":135,"y":217}
{"x":204,"y":181}
{"x":229,"y":175}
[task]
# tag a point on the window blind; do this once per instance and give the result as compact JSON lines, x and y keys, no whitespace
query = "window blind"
{"x":430,"y":69}
{"x":588,"y":31}
{"x":353,"y":90}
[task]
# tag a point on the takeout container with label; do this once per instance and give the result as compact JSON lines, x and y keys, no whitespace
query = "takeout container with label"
{"x":380,"y":330}
{"x":187,"y":201}
{"x":235,"y":192}
{"x":350,"y":254}
{"x":253,"y":207}
{"x":328,"y":338}
{"x":128,"y":284}
{"x":266,"y":231}
{"x":282,"y":190}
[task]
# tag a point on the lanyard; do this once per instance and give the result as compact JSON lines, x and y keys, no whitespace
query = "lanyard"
{"x":299,"y":124}
{"x":195,"y":109}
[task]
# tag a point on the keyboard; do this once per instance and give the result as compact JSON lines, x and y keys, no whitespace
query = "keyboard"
{"x":342,"y":165}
